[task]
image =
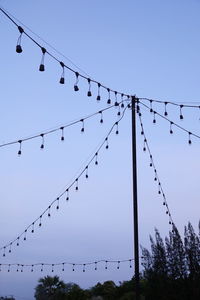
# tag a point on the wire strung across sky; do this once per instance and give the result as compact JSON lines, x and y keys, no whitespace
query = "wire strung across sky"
{"x":152,"y":164}
{"x":61,"y":128}
{"x":38,"y":221}
{"x":181,"y":105}
{"x":79,"y":75}
{"x":64,"y":66}
{"x":64,"y":265}
{"x":171,"y":123}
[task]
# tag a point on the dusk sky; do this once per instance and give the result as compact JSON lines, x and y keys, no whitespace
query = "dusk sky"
{"x":140,"y":47}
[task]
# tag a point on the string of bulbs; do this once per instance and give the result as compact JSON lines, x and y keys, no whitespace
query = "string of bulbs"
{"x":166,"y":103}
{"x":66,"y":193}
{"x":62,"y":128}
{"x":63,"y":66}
{"x":88,"y":79}
{"x":171,"y":123}
{"x":152,"y":165}
{"x":62,"y":266}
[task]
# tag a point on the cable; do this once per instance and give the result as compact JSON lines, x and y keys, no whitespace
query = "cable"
{"x":20,"y":267}
{"x":152,"y":164}
{"x":75,"y":183}
{"x":45,"y":41}
{"x":60,"y":128}
{"x":62,"y":64}
{"x":190,"y":134}
{"x":183,"y":104}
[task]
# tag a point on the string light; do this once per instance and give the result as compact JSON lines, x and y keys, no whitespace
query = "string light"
{"x":66,"y":191}
{"x":89,"y":93}
{"x":168,"y":102}
{"x":18,"y":47}
{"x":152,"y":164}
{"x":174,"y":124}
{"x":41,"y":67}
{"x":98,"y":95}
{"x":19,"y":50}
{"x":181,"y":114}
{"x":109,"y":100}
{"x":53,"y":266}
{"x":45,"y":133}
{"x":62,"y":78}
{"x":76,"y":88}
{"x":44,"y":51}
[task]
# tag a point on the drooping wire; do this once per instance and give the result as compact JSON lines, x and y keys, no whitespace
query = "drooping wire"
{"x":65,"y":193}
{"x":15,"y":267}
{"x":152,"y":165}
{"x":60,"y":128}
{"x":165,"y":103}
{"x":173,"y":124}
{"x":45,"y":51}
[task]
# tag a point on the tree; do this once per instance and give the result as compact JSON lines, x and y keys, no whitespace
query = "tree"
{"x":50,"y":288}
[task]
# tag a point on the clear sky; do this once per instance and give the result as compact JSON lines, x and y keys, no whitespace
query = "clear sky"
{"x":142,"y":47}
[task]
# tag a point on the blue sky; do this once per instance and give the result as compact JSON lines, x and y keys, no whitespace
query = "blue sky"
{"x":147,"y":48}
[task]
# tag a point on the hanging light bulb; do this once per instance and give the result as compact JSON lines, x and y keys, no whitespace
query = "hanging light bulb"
{"x":101,"y":120}
{"x":18,"y":47}
{"x":42,"y":144}
{"x":67,"y":198}
{"x":41,"y":67}
{"x":62,"y":136}
{"x":116,"y":101}
{"x":166,"y":113}
{"x":76,"y":188}
{"x":10,"y":249}
{"x":107,"y":146}
{"x":83,"y":128}
{"x":49,"y":211}
{"x":95,"y":266}
{"x":170,"y":130}
{"x":144,"y":147}
{"x":154,"y":117}
{"x":73,"y":267}
{"x":118,"y":264}
{"x":122,"y":100}
{"x":52,"y":268}
{"x":106,"y":265}
{"x":109,"y":100}
{"x":86,"y":173}
{"x":151,"y":109}
{"x":181,"y":114}
{"x":117,"y":129}
{"x":98,"y":96}
{"x":32,"y":230}
{"x":189,"y":138}
{"x":96,"y":158}
{"x":25,"y":234}
{"x":89,"y":93}
{"x":41,"y":267}
{"x":76,"y":88}
{"x":63,"y":267}
{"x":20,"y":148}
{"x":18,"y":241}
{"x":83,"y":267}
{"x":130,"y":263}
{"x":40,"y":222}
{"x":62,"y":78}
{"x":57,"y":207}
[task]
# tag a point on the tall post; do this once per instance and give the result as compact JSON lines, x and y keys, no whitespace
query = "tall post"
{"x":135,"y":204}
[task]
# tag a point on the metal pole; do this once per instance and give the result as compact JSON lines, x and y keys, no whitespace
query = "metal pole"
{"x":135,"y":205}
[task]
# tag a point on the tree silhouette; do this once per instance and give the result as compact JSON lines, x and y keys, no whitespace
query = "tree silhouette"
{"x":51,"y":288}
